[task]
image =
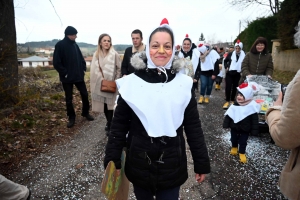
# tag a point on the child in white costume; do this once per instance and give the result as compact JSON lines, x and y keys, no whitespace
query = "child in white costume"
{"x":242,"y":119}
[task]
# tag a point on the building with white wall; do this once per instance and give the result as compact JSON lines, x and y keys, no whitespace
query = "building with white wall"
{"x":34,"y":61}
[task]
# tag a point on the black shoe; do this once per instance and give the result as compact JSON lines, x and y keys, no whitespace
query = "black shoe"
{"x":89,"y":117}
{"x":71,"y":123}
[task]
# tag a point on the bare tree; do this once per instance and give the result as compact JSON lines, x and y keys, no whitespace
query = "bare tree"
{"x":8,"y":55}
{"x":211,"y":39}
{"x":274,"y":5}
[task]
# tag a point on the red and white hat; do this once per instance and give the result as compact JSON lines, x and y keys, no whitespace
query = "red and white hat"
{"x":248,"y":89}
{"x":150,"y":64}
{"x":202,"y":48}
{"x":239,"y":43}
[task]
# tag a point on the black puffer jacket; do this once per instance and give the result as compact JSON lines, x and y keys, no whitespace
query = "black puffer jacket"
{"x":68,"y":61}
{"x":247,"y":125}
{"x":156,"y":163}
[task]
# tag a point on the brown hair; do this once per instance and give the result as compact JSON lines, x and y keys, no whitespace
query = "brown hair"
{"x":261,"y":40}
{"x":99,"y":48}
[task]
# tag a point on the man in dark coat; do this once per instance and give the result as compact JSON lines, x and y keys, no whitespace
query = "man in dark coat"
{"x":138,"y":46}
{"x":70,"y":64}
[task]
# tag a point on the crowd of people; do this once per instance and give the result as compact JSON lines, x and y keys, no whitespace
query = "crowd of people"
{"x":150,"y":126}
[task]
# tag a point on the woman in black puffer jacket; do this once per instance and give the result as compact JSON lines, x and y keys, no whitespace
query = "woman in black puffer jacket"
{"x":155,"y":105}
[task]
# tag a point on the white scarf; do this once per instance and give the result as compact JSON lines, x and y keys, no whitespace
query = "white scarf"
{"x":159,"y":106}
{"x":236,"y":64}
{"x":238,"y":113}
{"x":210,"y":60}
{"x":150,"y":64}
{"x":195,"y":58}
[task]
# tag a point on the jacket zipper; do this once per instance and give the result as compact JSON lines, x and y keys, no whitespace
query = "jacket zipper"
{"x":258,"y":63}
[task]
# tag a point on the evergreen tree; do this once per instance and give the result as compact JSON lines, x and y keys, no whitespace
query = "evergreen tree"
{"x":288,"y":18}
{"x":201,"y":37}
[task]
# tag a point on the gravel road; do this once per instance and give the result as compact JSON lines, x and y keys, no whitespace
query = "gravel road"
{"x":74,"y":170}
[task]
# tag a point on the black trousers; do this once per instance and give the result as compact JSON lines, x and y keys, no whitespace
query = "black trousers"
{"x":239,"y":138}
{"x":68,"y":88}
{"x":143,"y":194}
{"x":218,"y":80}
{"x":108,"y":115}
{"x":232,"y":82}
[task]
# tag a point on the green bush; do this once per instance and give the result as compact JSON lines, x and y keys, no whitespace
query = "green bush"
{"x":262,"y":27}
{"x":288,"y":18}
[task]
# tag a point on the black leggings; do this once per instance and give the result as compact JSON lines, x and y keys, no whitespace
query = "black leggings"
{"x":232,"y":82}
{"x":108,"y":114}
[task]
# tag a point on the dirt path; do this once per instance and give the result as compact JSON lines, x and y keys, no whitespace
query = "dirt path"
{"x":74,"y":170}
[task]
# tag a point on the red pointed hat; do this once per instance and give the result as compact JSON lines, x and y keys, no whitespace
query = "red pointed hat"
{"x":164,"y":21}
{"x":239,"y":43}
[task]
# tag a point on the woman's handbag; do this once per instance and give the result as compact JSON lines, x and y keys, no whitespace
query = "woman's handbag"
{"x":107,"y":86}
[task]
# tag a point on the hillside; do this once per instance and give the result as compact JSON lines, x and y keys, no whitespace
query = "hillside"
{"x":51,"y":43}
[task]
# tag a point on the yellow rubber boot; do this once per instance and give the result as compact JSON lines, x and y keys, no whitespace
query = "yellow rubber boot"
{"x":217,"y":86}
{"x":243,"y":158}
{"x":201,"y":99}
{"x":226,"y":105}
{"x":234,"y":151}
{"x":206,"y":100}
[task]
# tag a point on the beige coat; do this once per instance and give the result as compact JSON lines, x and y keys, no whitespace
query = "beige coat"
{"x":111,"y":67}
{"x":284,"y":127}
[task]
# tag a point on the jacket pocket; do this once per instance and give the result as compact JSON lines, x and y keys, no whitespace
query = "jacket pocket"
{"x":137,"y":154}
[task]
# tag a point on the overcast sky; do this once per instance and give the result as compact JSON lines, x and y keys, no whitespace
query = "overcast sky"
{"x":36,"y":20}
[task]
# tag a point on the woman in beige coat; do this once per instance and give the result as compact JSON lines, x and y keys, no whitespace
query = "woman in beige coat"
{"x":283,"y":119}
{"x":110,"y":64}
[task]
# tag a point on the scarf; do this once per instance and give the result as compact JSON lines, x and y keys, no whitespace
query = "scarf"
{"x":190,"y":52}
{"x":139,"y":49}
{"x":192,"y":56}
{"x":236,"y":64}
{"x":208,"y":60}
{"x":202,"y":57}
{"x":108,"y":66}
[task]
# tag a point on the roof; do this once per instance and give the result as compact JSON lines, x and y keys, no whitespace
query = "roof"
{"x":34,"y":59}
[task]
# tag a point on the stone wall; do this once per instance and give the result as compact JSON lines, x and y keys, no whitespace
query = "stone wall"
{"x":288,"y":60}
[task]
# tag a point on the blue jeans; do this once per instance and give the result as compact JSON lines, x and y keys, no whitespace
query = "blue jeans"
{"x":143,"y":194}
{"x":206,"y":85}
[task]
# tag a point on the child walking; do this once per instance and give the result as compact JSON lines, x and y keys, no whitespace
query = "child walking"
{"x":242,"y":119}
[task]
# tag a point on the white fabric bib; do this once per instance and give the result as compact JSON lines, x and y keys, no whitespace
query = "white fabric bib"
{"x":159,"y":106}
{"x":238,"y":113}
{"x":210,"y":60}
{"x":236,"y":64}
